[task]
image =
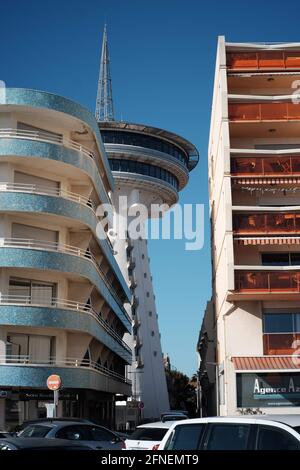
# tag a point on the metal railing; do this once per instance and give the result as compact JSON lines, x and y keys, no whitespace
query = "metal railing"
{"x":32,"y":244}
{"x":27,"y":300}
{"x":74,"y":362}
{"x":47,"y":191}
{"x":46,"y":137}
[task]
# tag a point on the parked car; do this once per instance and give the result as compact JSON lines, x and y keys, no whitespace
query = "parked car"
{"x":97,"y":437}
{"x":146,"y":436}
{"x":4,"y":434}
{"x":24,"y":444}
{"x":173,"y":416}
{"x":240,"y":433}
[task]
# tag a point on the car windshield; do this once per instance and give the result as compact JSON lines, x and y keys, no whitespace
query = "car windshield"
{"x":148,"y":434}
{"x":35,"y":430}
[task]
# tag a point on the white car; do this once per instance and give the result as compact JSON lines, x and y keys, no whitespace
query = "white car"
{"x":223,"y":433}
{"x":147,"y":436}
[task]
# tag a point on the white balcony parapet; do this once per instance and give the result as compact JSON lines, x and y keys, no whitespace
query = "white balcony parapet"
{"x":26,"y":300}
{"x":32,"y":244}
{"x":70,"y":362}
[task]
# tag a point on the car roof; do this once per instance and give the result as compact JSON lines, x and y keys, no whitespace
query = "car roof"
{"x":157,"y":424}
{"x":292,"y":420}
{"x":236,"y":419}
{"x":53,"y":424}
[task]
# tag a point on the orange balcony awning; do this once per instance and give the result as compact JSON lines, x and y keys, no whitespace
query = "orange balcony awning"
{"x":266,"y":363}
{"x":267,"y":240}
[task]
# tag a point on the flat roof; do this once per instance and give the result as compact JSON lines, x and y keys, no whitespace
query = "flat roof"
{"x":187,"y":146}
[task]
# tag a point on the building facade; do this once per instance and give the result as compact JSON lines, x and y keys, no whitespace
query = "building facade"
{"x":62,"y":292}
{"x":150,"y":166}
{"x":254,"y":179}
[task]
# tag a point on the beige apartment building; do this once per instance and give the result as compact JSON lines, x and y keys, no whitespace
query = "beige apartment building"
{"x":254,"y":180}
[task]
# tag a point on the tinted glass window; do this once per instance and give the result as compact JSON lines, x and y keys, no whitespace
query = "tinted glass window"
{"x":35,"y":431}
{"x":275,"y":259}
{"x":278,"y":323}
{"x":148,"y":434}
{"x":228,"y":437}
{"x":74,"y":433}
{"x":186,"y":437}
{"x":100,"y":434}
{"x":270,"y":438}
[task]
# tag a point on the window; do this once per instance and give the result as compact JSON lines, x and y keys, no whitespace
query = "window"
{"x":145,"y":275}
{"x":278,"y":323}
{"x":100,"y":434}
{"x":228,"y":437}
{"x":131,"y":166}
{"x":154,"y":353}
{"x":36,"y":292}
{"x":186,"y":437}
{"x":74,"y":433}
{"x":35,"y":430}
{"x":152,"y":333}
{"x":148,"y":434}
{"x":142,"y":140}
{"x":280,"y":259}
{"x":150,"y":314}
{"x":271,"y":438}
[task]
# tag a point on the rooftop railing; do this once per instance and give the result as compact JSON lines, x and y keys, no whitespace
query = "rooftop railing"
{"x":26,"y":360}
{"x":56,"y":303}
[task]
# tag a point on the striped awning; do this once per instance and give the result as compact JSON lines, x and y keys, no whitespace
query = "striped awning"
{"x":266,"y":363}
{"x":266,"y":181}
{"x":267,"y":240}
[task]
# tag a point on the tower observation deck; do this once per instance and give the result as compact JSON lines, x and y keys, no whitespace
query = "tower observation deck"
{"x":150,"y":166}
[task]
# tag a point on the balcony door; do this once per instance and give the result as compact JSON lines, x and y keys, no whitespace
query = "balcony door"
{"x":30,"y":291}
{"x":29,"y":348}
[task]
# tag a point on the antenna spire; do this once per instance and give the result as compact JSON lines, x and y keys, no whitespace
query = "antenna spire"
{"x":104,"y":102}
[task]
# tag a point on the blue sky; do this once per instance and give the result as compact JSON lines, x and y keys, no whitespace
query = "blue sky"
{"x":162,"y":63}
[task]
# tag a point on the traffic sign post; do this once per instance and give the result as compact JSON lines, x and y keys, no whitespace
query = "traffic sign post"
{"x":54,"y":383}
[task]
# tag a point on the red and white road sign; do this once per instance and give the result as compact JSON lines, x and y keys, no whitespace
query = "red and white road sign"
{"x":54,"y":382}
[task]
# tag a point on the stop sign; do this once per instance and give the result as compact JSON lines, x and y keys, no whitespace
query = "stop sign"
{"x":54,"y":382}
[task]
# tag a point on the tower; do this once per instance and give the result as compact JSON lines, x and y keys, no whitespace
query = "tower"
{"x":149,"y":165}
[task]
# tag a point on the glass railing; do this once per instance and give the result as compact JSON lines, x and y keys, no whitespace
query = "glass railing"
{"x":265,"y":166}
{"x":266,"y":281}
{"x":271,"y":223}
{"x":263,"y":111}
{"x":271,"y":60}
{"x":280,"y":343}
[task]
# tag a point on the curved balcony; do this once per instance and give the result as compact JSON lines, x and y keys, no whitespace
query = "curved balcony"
{"x":23,"y":371}
{"x":264,"y":60}
{"x":58,"y":149}
{"x":61,"y":313}
{"x":42,"y":254}
{"x":41,"y":100}
{"x":266,"y":224}
{"x":258,"y":112}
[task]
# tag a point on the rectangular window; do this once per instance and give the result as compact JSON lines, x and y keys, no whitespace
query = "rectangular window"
{"x":34,"y":233}
{"x":29,"y":291}
{"x":278,"y":323}
{"x":36,"y":181}
{"x":275,"y":259}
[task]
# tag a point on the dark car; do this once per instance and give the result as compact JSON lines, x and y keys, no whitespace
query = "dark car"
{"x":24,"y":444}
{"x":97,"y":437}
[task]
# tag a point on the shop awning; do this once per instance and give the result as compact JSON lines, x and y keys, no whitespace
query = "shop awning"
{"x":266,"y":363}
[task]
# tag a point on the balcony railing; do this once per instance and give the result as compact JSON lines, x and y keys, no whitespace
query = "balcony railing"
{"x":47,"y":191}
{"x":32,"y":244}
{"x":271,"y":224}
{"x":264,"y":282}
{"x":280,"y":343}
{"x":25,"y":360}
{"x":267,"y":60}
{"x":56,"y":303}
{"x":263,"y":111}
{"x":46,"y":137}
{"x":266,"y":166}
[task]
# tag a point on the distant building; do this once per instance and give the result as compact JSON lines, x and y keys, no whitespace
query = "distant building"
{"x":254,"y":184}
